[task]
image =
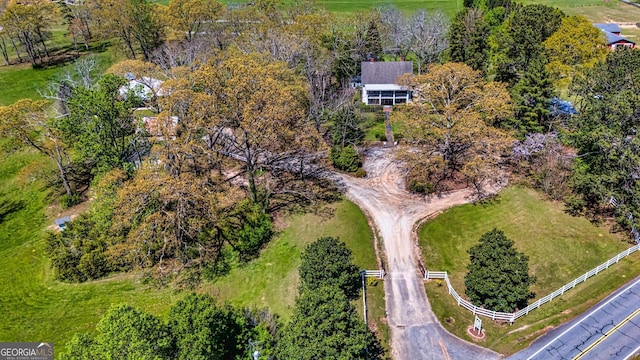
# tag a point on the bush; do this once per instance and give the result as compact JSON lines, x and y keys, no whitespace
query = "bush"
{"x":346,"y":159}
{"x":360,"y":173}
{"x":421,"y":188}
{"x":68,"y":201}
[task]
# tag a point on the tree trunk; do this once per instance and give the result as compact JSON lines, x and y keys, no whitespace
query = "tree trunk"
{"x":15,"y":47}
{"x":42,"y":41}
{"x":3,"y":48}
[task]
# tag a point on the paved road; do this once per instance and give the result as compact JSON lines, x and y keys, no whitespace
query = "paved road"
{"x":610,"y":330}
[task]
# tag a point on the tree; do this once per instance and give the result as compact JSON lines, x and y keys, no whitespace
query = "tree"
{"x":78,"y":18}
{"x":498,"y":277}
{"x":101,"y":126}
{"x":468,"y":39}
{"x":124,"y":332}
{"x":259,"y":120}
{"x":135,"y":22}
{"x":203,"y":330}
{"x":429,"y":36}
{"x":26,"y":121}
{"x":576,"y":45}
{"x":328,"y":262}
{"x":451,"y":124}
{"x":605,"y":136}
{"x":28,"y":23}
{"x":325,"y":325}
{"x":532,"y":97}
{"x":188,"y":17}
{"x":397,"y":31}
{"x":521,"y":38}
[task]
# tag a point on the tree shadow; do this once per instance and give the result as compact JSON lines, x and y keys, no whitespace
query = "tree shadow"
{"x":8,"y":207}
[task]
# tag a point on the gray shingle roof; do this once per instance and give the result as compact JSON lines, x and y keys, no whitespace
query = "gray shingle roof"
{"x":381,"y":72}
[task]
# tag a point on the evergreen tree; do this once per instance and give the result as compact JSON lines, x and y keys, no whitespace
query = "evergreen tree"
{"x":498,"y":277}
{"x":325,"y":325}
{"x":204,"y":330}
{"x":605,"y":136}
{"x":373,"y":42}
{"x":468,"y":39}
{"x":532,"y":97}
{"x":328,"y":262}
{"x":520,"y":41}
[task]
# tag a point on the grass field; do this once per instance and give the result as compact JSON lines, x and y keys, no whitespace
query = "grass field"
{"x":21,"y":81}
{"x":560,"y":248}
{"x":35,"y":307}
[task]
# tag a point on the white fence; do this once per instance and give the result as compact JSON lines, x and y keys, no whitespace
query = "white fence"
{"x":511,"y":317}
{"x":374,"y":273}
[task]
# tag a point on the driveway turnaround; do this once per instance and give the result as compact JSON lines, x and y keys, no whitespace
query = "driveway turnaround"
{"x":416,"y":334}
{"x":610,"y":330}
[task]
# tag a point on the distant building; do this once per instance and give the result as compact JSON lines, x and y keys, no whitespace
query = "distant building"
{"x":379,"y":82}
{"x":145,"y":88}
{"x":614,"y":39}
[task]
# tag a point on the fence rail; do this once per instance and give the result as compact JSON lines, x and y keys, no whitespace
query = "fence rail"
{"x":511,"y":317}
{"x":374,"y":273}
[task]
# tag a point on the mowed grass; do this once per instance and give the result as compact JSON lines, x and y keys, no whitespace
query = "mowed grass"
{"x":272,"y":280}
{"x":36,"y":307}
{"x":560,"y":248}
{"x":22,"y":81}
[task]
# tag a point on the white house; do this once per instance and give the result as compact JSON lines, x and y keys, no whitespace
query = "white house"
{"x":145,"y":88}
{"x":379,"y":82}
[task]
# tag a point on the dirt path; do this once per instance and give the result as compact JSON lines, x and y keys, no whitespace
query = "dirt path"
{"x":415,"y":331}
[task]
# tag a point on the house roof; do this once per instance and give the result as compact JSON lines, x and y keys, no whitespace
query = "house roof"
{"x":614,"y":39}
{"x":384,"y":72}
{"x":612,"y":28}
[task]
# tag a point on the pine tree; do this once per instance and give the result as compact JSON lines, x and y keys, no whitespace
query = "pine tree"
{"x":532,"y":97}
{"x":468,"y":39}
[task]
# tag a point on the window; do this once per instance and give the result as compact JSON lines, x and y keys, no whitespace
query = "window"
{"x":374,"y":102}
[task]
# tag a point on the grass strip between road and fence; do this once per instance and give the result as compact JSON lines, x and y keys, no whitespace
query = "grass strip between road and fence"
{"x":511,"y":317}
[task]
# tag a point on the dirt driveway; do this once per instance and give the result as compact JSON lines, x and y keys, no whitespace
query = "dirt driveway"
{"x":415,"y":331}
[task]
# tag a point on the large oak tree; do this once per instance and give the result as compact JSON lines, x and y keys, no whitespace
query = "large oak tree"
{"x":450,"y":125}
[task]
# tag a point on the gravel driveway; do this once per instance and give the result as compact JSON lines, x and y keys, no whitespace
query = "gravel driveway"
{"x":415,"y":331}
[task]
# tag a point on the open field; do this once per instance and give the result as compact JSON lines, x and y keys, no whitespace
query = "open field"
{"x":35,"y":307}
{"x":560,"y":247}
{"x":21,"y":81}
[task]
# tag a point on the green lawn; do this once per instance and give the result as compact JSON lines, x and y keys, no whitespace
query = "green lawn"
{"x":21,"y":81}
{"x":35,"y":307}
{"x":560,"y":248}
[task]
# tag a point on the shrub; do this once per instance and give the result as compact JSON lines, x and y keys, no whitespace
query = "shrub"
{"x":421,"y":188}
{"x":68,"y":201}
{"x":346,"y":159}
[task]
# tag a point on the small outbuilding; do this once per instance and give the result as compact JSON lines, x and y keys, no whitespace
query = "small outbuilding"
{"x":614,"y":39}
{"x":62,"y":222}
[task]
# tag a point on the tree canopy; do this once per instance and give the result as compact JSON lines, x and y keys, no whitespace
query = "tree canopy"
{"x":328,"y":262}
{"x":605,"y":136}
{"x":325,"y":325}
{"x":197,"y":328}
{"x":451,"y":121}
{"x":498,"y":277}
